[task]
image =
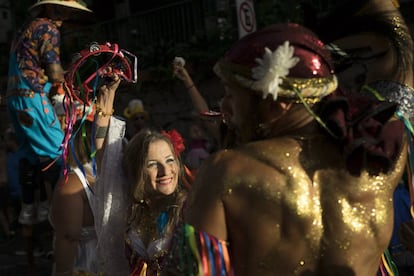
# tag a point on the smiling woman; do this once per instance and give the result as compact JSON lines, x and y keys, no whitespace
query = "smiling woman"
{"x":141,"y":187}
{"x":151,"y":165}
{"x":154,"y":169}
{"x":161,"y":168}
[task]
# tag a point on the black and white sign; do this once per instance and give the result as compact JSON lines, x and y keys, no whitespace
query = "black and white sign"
{"x":246,"y":17}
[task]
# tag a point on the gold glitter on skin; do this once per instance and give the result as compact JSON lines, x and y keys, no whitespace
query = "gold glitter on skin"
{"x":327,"y":216}
{"x":399,"y":28}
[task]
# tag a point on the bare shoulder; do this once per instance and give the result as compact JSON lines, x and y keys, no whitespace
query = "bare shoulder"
{"x":251,"y":164}
{"x":230,"y":180}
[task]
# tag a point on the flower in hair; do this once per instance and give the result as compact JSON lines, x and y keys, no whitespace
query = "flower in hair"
{"x":176,"y":139}
{"x":272,"y":68}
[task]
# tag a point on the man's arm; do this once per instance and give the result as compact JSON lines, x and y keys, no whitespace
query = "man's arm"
{"x":205,"y":209}
{"x":201,"y":239}
{"x":55,"y":73}
{"x":56,"y":77}
{"x":50,"y":56}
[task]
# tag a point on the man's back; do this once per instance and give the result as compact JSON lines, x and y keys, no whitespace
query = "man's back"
{"x":288,"y":206}
{"x":309,"y":189}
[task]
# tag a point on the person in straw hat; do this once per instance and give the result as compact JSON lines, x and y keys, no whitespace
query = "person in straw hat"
{"x":137,"y":117}
{"x":35,"y":72}
{"x":307,"y":188}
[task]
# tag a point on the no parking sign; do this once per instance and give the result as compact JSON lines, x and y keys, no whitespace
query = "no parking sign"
{"x":246,"y":17}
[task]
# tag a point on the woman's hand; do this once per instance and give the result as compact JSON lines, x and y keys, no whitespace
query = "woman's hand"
{"x":181,"y":73}
{"x":106,"y":95}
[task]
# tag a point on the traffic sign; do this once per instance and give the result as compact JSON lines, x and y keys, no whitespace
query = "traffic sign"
{"x":246,"y":17}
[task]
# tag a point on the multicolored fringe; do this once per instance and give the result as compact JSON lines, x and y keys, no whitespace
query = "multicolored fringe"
{"x":387,"y":265}
{"x":196,"y":253}
{"x":410,"y":162}
{"x":71,"y":117}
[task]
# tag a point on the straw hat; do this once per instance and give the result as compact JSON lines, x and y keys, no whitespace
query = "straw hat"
{"x":135,"y":107}
{"x":74,"y":4}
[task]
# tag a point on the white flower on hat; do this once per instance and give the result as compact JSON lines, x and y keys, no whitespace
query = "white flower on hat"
{"x":272,"y":68}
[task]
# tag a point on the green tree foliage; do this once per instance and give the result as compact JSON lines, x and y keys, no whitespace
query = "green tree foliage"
{"x":283,"y":11}
{"x":273,"y":11}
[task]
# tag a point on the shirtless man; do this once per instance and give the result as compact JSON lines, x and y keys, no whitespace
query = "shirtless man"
{"x":304,"y":192}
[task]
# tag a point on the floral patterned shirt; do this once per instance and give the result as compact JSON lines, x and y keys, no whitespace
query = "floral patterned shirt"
{"x":37,"y":46}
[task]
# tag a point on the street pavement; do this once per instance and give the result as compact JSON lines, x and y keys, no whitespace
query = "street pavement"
{"x":17,"y":265}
